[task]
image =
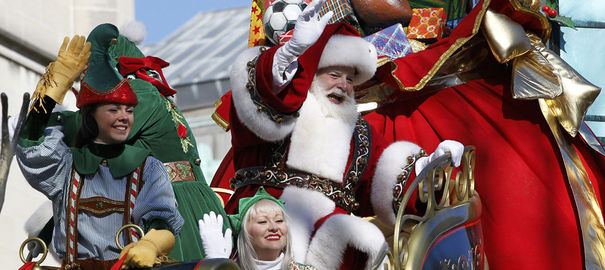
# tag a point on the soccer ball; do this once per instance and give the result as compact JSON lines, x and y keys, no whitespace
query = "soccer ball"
{"x":280,"y":17}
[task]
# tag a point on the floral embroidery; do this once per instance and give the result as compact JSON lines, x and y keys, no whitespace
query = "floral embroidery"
{"x":179,"y":121}
{"x":299,"y":266}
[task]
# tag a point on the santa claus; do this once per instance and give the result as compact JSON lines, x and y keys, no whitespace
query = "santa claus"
{"x":296,"y":131}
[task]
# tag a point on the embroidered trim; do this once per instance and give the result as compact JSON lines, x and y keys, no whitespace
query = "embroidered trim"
{"x":361,"y":153}
{"x":179,"y":171}
{"x":261,"y":106}
{"x":402,"y":178}
{"x":278,"y":153}
{"x":179,"y":121}
{"x":281,"y":178}
{"x":103,"y":93}
{"x":100,"y":206}
{"x":343,"y":194}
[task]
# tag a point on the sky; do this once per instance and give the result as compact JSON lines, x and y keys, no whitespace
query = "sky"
{"x":162,"y":17}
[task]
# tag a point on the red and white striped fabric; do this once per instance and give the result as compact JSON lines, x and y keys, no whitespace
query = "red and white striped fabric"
{"x":72,"y":215}
{"x":133,"y":197}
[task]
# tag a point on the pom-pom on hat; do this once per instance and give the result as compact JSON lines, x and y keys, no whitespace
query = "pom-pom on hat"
{"x":246,"y":203}
{"x":102,"y":82}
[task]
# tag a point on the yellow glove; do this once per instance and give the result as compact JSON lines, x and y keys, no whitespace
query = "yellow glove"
{"x":146,"y":251}
{"x":61,"y":73}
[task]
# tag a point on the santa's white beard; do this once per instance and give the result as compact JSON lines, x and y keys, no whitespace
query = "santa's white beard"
{"x":346,"y":111}
{"x":321,"y":138}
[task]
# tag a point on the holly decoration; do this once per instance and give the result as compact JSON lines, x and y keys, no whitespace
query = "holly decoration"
{"x":550,"y":10}
{"x":179,"y":121}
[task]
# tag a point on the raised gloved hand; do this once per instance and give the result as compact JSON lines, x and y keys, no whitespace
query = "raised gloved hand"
{"x":455,"y":148}
{"x":309,"y":26}
{"x":60,"y":74}
{"x":216,"y":244}
{"x":146,"y":251}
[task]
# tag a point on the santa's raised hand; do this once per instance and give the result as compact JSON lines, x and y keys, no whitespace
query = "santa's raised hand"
{"x":308,"y":28}
{"x":307,"y":31}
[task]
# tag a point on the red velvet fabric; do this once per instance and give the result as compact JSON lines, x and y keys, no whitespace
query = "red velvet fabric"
{"x":529,"y":220}
{"x":122,"y":93}
{"x":139,"y":66}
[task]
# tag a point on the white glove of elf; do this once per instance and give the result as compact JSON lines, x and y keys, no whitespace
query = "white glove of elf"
{"x":309,"y":26}
{"x":455,"y":148}
{"x":216,"y":244}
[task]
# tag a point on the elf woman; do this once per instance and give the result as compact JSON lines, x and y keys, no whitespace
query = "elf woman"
{"x":261,"y":229}
{"x":100,"y":184}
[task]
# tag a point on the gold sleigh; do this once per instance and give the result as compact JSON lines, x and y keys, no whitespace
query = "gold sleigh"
{"x":447,"y":234}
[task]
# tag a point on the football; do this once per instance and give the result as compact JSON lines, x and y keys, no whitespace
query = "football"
{"x":280,"y":17}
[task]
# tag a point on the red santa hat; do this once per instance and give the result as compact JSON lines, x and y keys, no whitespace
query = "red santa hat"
{"x":350,"y":51}
{"x":341,"y":45}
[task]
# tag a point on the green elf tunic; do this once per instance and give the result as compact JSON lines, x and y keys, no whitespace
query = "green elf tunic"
{"x":160,"y":127}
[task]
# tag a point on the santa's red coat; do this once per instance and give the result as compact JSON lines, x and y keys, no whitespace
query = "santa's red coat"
{"x":529,"y":217}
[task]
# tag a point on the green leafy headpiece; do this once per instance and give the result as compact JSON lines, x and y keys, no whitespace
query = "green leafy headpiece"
{"x":244,"y":206}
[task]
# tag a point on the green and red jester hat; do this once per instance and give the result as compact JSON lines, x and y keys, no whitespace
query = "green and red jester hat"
{"x":102,"y":83}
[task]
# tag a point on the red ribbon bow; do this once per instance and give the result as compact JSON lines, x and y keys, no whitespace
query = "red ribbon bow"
{"x":139,"y":66}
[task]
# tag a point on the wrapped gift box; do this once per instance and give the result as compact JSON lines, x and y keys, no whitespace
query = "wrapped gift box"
{"x":391,"y":42}
{"x":427,"y":23}
{"x":343,"y":12}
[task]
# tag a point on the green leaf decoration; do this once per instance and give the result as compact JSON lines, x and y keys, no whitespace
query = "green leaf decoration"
{"x":564,"y":21}
{"x":553,"y":4}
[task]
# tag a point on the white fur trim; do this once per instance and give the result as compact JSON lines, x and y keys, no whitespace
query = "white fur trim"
{"x":320,"y":145}
{"x":338,"y":232}
{"x":350,"y":51}
{"x":297,"y":203}
{"x":302,"y":216}
{"x":300,"y":236}
{"x":257,"y":122}
{"x":134,"y":31}
{"x":389,"y":166}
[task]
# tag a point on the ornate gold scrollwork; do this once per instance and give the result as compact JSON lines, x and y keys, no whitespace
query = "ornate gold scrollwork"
{"x":440,"y":188}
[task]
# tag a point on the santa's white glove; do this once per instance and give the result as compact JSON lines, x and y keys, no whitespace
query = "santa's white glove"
{"x":455,"y":148}
{"x":309,"y":26}
{"x":215,"y":243}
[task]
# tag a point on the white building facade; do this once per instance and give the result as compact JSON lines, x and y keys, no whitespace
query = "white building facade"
{"x":31,"y":33}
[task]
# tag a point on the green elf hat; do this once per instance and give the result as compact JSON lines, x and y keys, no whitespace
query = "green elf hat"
{"x":102,"y":82}
{"x":246,"y":203}
{"x":124,"y":48}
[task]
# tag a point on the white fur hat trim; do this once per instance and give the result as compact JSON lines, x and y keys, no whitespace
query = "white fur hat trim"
{"x":350,"y":51}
